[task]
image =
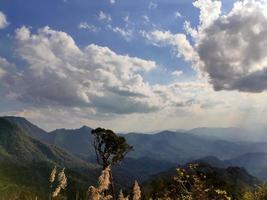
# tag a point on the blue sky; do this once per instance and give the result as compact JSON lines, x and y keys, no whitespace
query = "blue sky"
{"x":67,"y":15}
{"x":142,"y":64}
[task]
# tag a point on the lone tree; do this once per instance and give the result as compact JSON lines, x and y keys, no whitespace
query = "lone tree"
{"x":110,"y":149}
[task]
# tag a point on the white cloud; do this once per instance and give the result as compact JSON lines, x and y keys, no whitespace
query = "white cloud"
{"x":193,"y":102}
{"x":230,"y":49}
{"x":177,"y":14}
{"x":6,"y":71}
{"x":23,"y":33}
{"x":146,"y":19}
{"x":59,"y":73}
{"x":177,"y":73}
{"x":90,"y":27}
{"x":104,"y":17}
{"x":3,"y":20}
{"x":190,"y":30}
{"x":181,"y":46}
{"x":126,"y":33}
{"x":95,"y":79}
{"x":233,"y":48}
{"x":210,"y":10}
{"x":126,"y":18}
{"x":3,"y":64}
{"x":3,"y":67}
{"x":152,"y":5}
{"x":112,"y":2}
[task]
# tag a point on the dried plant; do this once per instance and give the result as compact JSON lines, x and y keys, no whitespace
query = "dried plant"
{"x":100,"y":192}
{"x":121,"y":196}
{"x":104,"y":180}
{"x":53,"y":175}
{"x":94,"y":193}
{"x":62,"y":183}
{"x":136,"y":191}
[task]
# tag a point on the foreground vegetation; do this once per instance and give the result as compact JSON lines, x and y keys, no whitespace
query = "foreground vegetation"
{"x":185,"y":185}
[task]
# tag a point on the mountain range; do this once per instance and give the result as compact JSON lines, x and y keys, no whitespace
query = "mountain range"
{"x":24,"y":144}
{"x":236,"y":134}
{"x":177,"y":147}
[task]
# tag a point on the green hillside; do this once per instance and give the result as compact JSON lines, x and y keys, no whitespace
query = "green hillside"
{"x":25,"y":165}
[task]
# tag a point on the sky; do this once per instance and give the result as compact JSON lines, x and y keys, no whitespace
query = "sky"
{"x":134,"y":65}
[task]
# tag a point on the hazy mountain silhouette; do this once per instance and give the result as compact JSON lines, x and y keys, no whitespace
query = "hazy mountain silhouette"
{"x":168,"y":146}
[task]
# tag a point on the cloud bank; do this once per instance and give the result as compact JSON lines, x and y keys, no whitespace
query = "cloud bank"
{"x":58,"y":73}
{"x":230,"y":49}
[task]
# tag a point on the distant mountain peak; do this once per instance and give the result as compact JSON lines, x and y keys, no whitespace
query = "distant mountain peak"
{"x":166,"y":132}
{"x":14,"y":118}
{"x":86,"y":127}
{"x":29,"y":128}
{"x":74,"y":130}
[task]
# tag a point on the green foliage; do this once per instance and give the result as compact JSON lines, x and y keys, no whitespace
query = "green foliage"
{"x":32,"y":179}
{"x":187,"y":184}
{"x":109,"y":147}
{"x":260,"y":193}
{"x":235,"y":181}
{"x":25,"y":165}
